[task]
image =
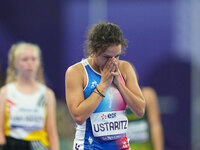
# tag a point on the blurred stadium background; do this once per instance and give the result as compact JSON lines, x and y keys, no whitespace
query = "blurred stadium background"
{"x":164,"y":47}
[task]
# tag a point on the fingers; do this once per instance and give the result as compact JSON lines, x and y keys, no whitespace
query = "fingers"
{"x":115,"y":74}
{"x":110,"y":71}
{"x":116,"y":66}
{"x":109,"y":65}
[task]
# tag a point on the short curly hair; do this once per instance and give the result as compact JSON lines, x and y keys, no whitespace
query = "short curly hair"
{"x":103,"y":35}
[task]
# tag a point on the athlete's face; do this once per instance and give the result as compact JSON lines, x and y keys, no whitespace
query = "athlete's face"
{"x":112,"y":51}
{"x":27,"y":62}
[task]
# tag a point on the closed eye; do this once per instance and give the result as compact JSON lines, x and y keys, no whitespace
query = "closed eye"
{"x":107,"y":57}
{"x":117,"y":56}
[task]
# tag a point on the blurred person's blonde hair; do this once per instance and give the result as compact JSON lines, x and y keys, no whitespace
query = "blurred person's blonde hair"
{"x":13,"y":54}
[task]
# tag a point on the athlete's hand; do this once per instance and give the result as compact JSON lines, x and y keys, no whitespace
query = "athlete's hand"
{"x":107,"y":73}
{"x":116,"y":77}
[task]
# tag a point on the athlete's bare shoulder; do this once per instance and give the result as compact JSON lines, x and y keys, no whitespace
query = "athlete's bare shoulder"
{"x":50,"y":95}
{"x":125,"y":67}
{"x":75,"y":73}
{"x":3,"y":93}
{"x":76,"y":68}
{"x":3,"y":89}
{"x":124,"y":63}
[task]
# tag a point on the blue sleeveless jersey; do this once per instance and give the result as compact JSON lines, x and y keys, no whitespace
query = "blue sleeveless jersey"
{"x":106,"y":128}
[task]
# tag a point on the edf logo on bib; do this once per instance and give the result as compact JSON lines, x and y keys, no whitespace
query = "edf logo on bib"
{"x":110,"y":115}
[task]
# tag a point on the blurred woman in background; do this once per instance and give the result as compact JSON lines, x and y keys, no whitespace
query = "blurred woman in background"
{"x":146,"y":133}
{"x":27,"y":105}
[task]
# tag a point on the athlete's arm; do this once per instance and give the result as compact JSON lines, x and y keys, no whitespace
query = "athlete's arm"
{"x":154,"y":117}
{"x":2,"y":118}
{"x":79,"y":107}
{"x":51,"y":120}
{"x":131,"y":91}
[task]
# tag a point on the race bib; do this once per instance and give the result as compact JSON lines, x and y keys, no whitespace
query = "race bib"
{"x":109,"y":125}
{"x":28,"y":119}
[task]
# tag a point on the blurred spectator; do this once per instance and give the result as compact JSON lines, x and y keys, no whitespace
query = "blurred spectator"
{"x":146,"y":133}
{"x":27,"y":105}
